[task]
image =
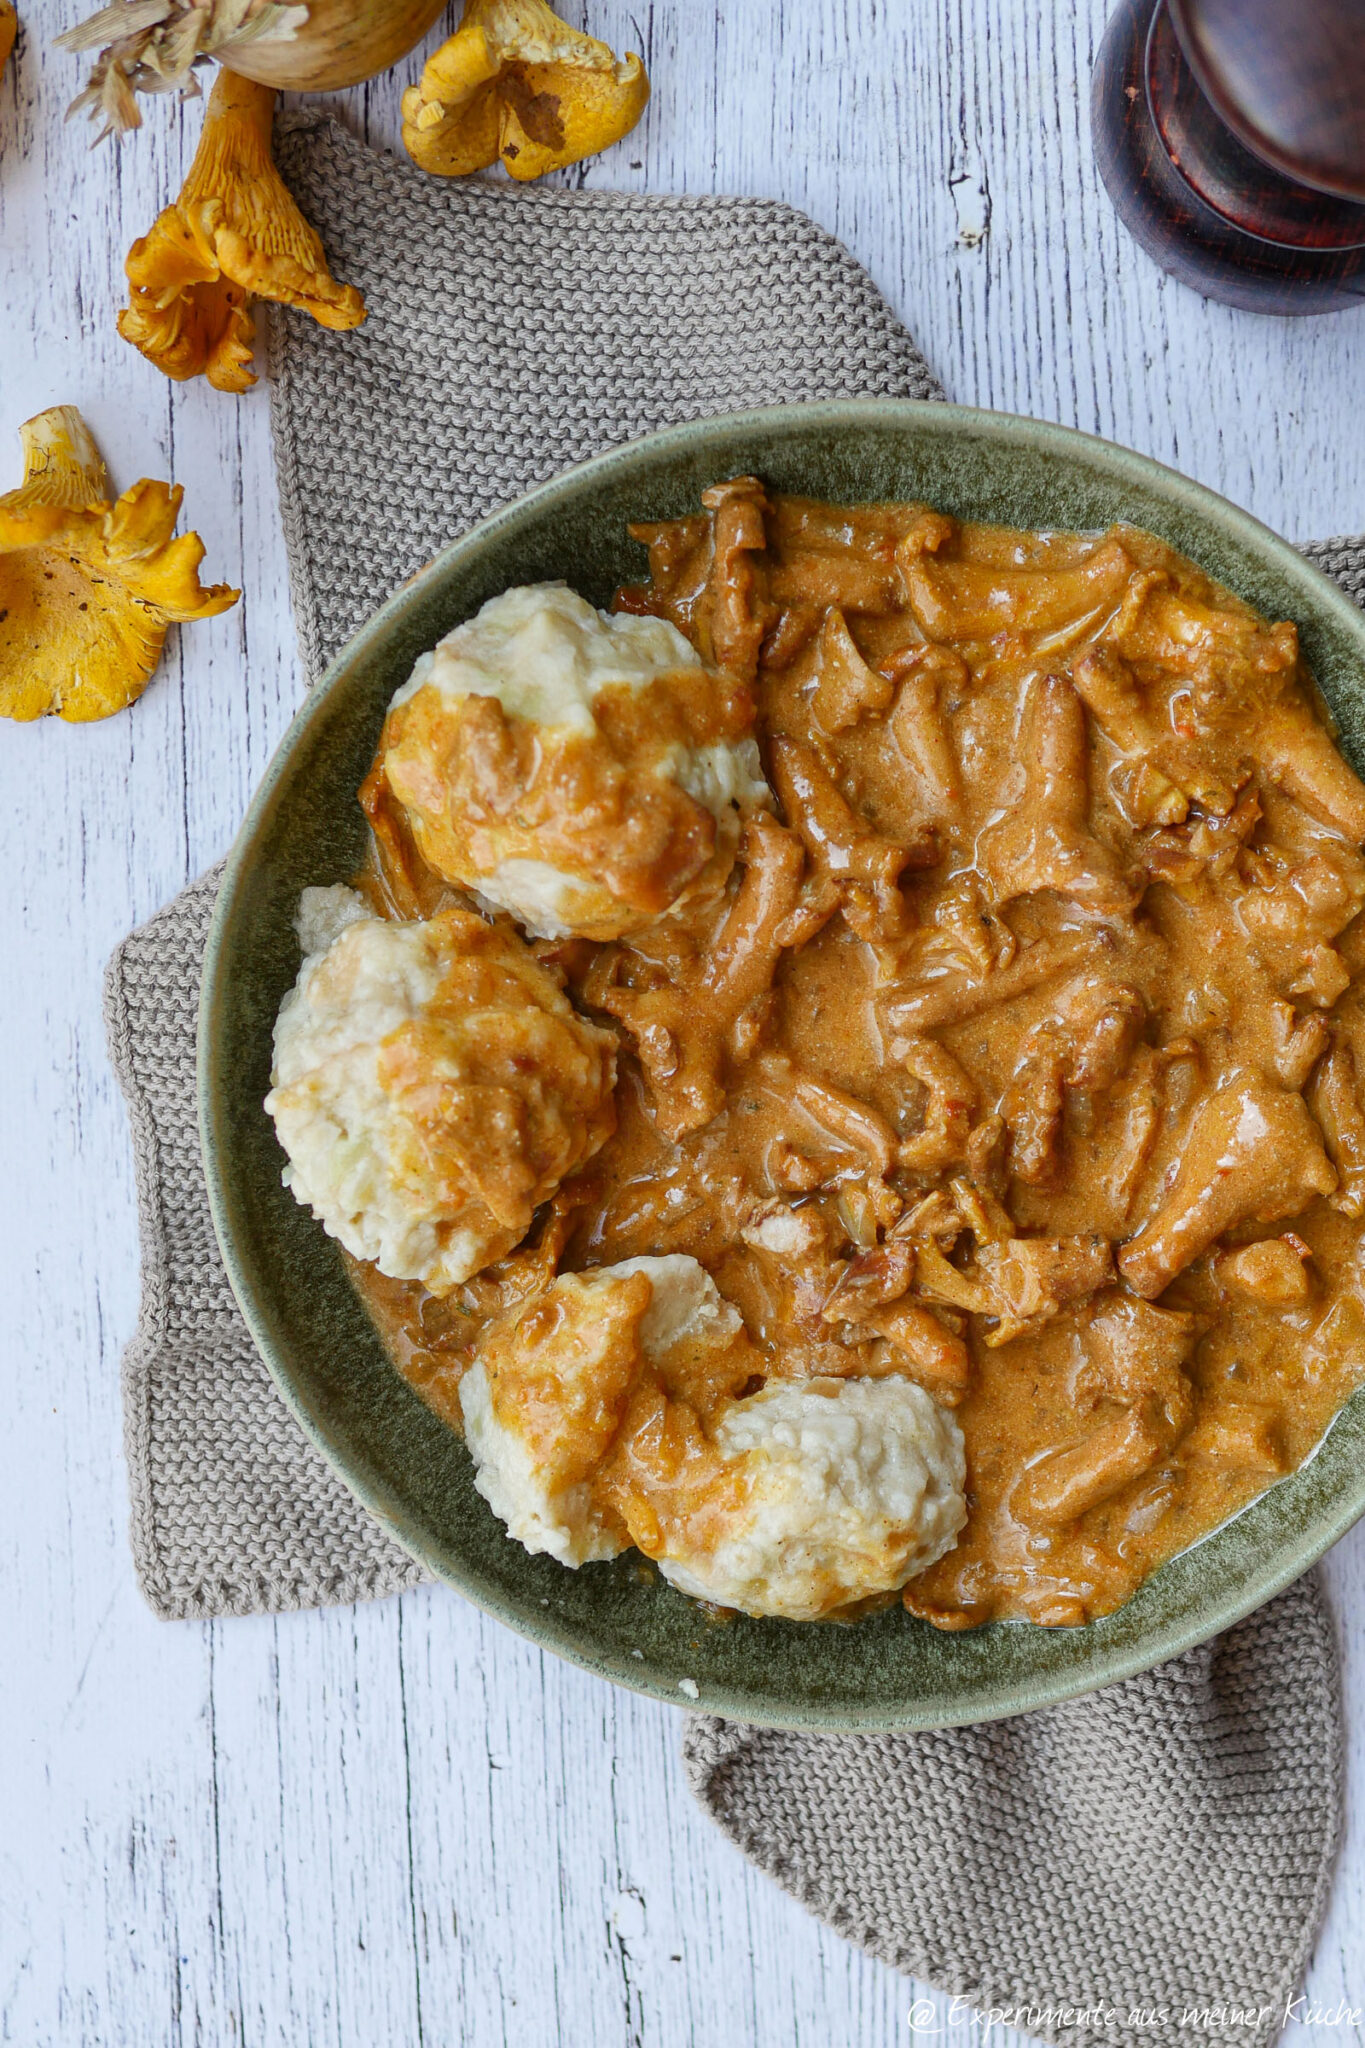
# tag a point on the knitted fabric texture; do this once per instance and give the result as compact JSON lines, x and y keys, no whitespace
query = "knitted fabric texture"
{"x":1166,"y":1841}
{"x":1163,"y":1846}
{"x":537,"y":329}
{"x":233,"y":1511}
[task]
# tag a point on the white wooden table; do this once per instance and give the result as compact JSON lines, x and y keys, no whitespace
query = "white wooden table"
{"x":399,"y":1824}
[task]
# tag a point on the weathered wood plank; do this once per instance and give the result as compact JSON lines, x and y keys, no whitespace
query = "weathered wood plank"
{"x":402,"y":1824}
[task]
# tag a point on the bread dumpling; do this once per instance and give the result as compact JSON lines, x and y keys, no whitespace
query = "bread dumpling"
{"x":798,"y":1500}
{"x":432,"y":1085}
{"x":582,"y":770}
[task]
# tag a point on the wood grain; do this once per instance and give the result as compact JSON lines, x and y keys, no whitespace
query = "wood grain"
{"x":400,"y":1824}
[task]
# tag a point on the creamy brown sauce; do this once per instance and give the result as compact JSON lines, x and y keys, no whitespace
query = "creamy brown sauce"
{"x":1038,"y":1000}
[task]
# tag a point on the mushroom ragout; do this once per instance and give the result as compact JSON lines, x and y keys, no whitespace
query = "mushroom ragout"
{"x":1019,"y":1054}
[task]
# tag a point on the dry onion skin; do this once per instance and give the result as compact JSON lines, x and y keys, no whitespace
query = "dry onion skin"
{"x":9,"y":29}
{"x":151,"y":46}
{"x":233,"y":235}
{"x":517,"y":83}
{"x":88,"y":587}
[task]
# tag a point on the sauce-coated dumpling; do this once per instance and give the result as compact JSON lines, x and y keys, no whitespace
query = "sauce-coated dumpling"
{"x":584,"y":771}
{"x":432,"y":1085}
{"x":797,"y":1500}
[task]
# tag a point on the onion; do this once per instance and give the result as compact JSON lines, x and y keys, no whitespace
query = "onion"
{"x":341,"y":43}
{"x":294,"y":45}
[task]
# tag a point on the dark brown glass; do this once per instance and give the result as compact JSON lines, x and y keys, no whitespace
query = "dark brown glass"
{"x":1231,"y":137}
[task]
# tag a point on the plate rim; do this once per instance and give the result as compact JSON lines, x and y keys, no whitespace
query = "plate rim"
{"x":998,"y":1698}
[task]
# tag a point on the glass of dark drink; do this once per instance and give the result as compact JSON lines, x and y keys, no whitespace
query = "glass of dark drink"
{"x":1231,"y":136}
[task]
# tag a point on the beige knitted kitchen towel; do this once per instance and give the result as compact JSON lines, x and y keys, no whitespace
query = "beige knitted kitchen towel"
{"x":1166,"y":1842}
{"x":1115,"y":1869}
{"x":513,"y":332}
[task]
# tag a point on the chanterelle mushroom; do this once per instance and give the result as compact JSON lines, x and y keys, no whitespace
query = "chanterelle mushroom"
{"x":1043,"y":840}
{"x":1085,"y":1046}
{"x":88,"y":588}
{"x":1296,"y":911}
{"x":233,"y":235}
{"x":516,"y":82}
{"x":1253,"y":1155}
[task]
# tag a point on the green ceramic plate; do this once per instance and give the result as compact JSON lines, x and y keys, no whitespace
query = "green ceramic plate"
{"x":621,"y":1619}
